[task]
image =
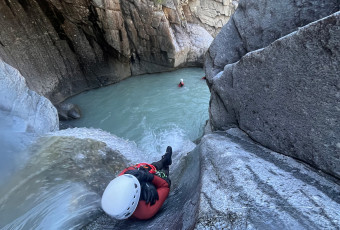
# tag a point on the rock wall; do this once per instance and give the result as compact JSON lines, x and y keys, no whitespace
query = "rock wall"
{"x":212,"y":15}
{"x":21,"y":109}
{"x":65,"y":47}
{"x":286,"y":95}
{"x":257,"y":23}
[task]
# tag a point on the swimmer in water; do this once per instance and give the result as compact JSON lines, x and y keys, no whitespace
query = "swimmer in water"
{"x":181,"y":84}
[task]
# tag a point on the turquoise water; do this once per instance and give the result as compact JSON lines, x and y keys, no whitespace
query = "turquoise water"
{"x":150,"y":110}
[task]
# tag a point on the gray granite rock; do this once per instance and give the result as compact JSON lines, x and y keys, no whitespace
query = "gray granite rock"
{"x":21,"y":109}
{"x":257,"y":23}
{"x":61,"y":47}
{"x":68,"y":111}
{"x":286,"y":96}
{"x":246,"y":186}
{"x":65,"y":47}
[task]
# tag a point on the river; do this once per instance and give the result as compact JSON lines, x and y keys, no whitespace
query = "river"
{"x":150,"y":110}
{"x":59,"y":179}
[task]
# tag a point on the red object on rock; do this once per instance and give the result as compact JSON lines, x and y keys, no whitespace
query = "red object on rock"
{"x":146,"y":211}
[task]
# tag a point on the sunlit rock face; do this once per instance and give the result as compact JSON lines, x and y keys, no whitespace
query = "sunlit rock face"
{"x":282,"y":89}
{"x":65,"y":47}
{"x":285,"y":96}
{"x":212,"y":15}
{"x":247,"y":186}
{"x":257,"y":23}
{"x":21,"y":109}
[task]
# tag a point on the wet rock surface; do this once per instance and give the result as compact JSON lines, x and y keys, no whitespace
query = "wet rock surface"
{"x":68,"y":111}
{"x":246,"y":186}
{"x":62,"y":179}
{"x":21,"y":109}
{"x":286,"y":95}
{"x":180,"y":209}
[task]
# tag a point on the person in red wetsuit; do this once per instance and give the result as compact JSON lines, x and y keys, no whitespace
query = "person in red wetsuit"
{"x":181,"y":83}
{"x":139,"y":191}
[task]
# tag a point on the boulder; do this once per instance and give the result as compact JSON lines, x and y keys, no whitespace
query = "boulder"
{"x":247,"y":186}
{"x":68,"y":111}
{"x":257,"y":23}
{"x":286,"y":95}
{"x":21,"y":109}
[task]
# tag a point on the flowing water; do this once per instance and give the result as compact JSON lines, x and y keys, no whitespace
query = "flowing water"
{"x":55,"y":183}
{"x":150,"y":110}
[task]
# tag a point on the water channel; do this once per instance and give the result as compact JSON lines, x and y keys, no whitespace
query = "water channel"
{"x":150,"y":110}
{"x":45,"y":184}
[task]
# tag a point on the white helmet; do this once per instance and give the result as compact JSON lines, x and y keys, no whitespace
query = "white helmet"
{"x":181,"y":80}
{"x":121,"y":196}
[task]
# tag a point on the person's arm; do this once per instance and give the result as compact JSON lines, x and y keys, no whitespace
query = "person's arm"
{"x":146,"y":211}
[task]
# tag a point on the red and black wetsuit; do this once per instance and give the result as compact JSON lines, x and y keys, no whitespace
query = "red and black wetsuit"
{"x":180,"y":84}
{"x":146,"y":211}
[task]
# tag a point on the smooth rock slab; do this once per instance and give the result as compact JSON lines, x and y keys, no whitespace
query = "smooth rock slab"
{"x":286,"y":96}
{"x":246,"y":186}
{"x":60,"y":184}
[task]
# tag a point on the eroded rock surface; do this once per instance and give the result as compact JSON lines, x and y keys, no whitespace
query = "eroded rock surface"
{"x":257,"y":23}
{"x":65,"y":47}
{"x":246,"y":186}
{"x":21,"y":109}
{"x":212,"y":15}
{"x":286,"y":96}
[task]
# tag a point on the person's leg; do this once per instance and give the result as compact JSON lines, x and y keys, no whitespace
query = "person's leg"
{"x":163,"y":164}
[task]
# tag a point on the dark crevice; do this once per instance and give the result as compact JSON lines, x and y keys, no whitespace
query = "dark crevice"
{"x":241,"y":51}
{"x":10,"y":6}
{"x":89,"y":38}
{"x":99,"y":36}
{"x":1,"y":44}
{"x":120,"y":35}
{"x":57,"y":20}
{"x":25,"y":4}
{"x":133,"y":48}
{"x":231,"y":111}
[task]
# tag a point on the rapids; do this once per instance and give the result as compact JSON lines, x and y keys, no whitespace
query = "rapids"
{"x":150,"y":110}
{"x":58,"y":177}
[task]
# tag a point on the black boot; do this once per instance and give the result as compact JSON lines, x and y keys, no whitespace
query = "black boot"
{"x":166,"y":158}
